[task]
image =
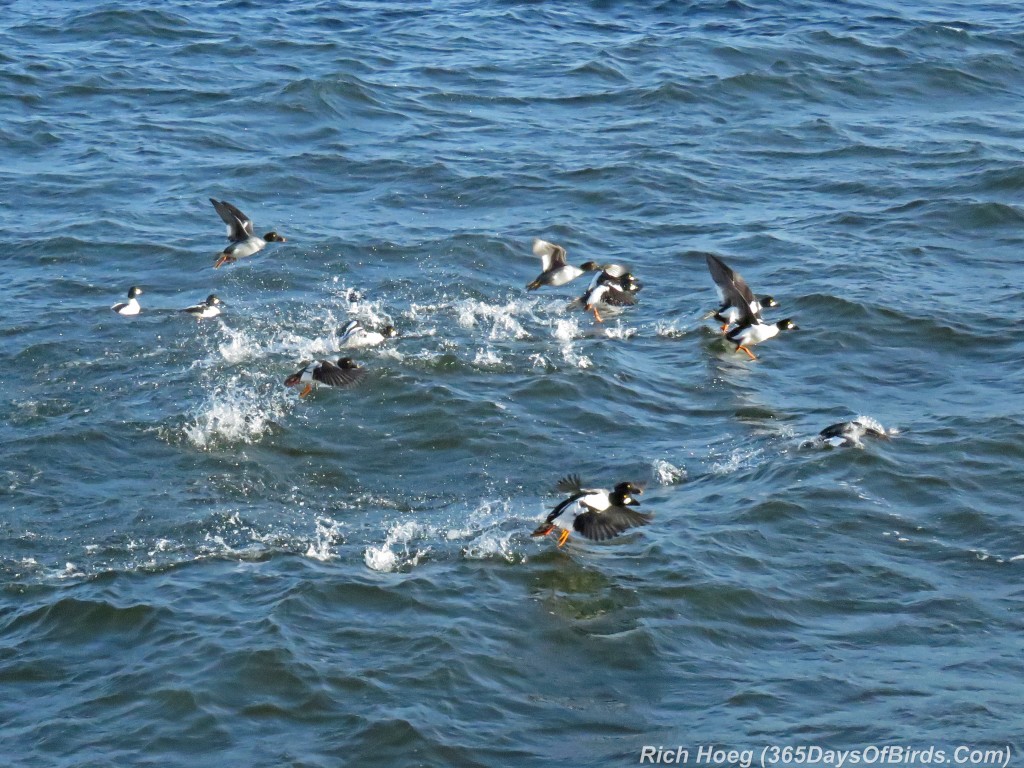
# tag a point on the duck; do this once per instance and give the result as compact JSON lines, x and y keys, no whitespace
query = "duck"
{"x":848,"y":434}
{"x":208,"y":308}
{"x":353,"y":334}
{"x":555,"y":270}
{"x":595,"y":513}
{"x":130,"y":307}
{"x":752,"y":330}
{"x":612,"y":286}
{"x":735,"y":294}
{"x":345,"y":373}
{"x":244,"y":241}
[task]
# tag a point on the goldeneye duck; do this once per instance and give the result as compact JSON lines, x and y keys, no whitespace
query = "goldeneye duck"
{"x":609,"y":288}
{"x":345,"y":373}
{"x":735,"y":294}
{"x":353,"y":334}
{"x":244,"y":241}
{"x":606,"y":271}
{"x":555,"y":270}
{"x":847,"y":434}
{"x":209,"y":308}
{"x":130,"y":307}
{"x":595,"y":513}
{"x":752,"y":331}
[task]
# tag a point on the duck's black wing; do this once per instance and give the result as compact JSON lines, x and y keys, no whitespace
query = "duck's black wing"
{"x":609,"y":523}
{"x":336,"y":376}
{"x":842,"y":429}
{"x":734,"y":289}
{"x":570,"y":484}
{"x":618,"y":297}
{"x":239,"y":225}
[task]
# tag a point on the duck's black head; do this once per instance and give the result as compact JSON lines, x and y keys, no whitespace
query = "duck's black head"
{"x":348,"y":363}
{"x":273,"y":237}
{"x":389,"y":332}
{"x":787,"y":325}
{"x":623,"y":494}
{"x":213,"y":300}
{"x":134,"y":291}
{"x":768,"y":302}
{"x":629,"y":283}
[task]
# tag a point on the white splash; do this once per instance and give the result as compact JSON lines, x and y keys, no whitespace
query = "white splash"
{"x":876,"y":425}
{"x":669,"y":330}
{"x":566,"y":329}
{"x":395,"y":552}
{"x":328,"y":533}
{"x":239,"y":347}
{"x":237,"y":412}
{"x":538,"y":360}
{"x":738,"y":458}
{"x":482,"y":526}
{"x":619,"y":331}
{"x":666,"y":473}
{"x":504,"y":324}
{"x":487,"y":358}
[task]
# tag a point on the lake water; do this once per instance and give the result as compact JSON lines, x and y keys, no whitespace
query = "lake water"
{"x":197,"y":568}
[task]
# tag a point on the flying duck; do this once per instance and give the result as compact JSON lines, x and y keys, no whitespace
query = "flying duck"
{"x":555,"y":270}
{"x":612,"y":286}
{"x":595,"y":513}
{"x":735,"y":294}
{"x":345,"y":373}
{"x":244,"y":241}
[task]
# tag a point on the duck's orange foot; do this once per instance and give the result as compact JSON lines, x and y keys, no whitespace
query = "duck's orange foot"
{"x":563,"y":537}
{"x":749,"y":353}
{"x":306,"y":391}
{"x":597,"y":316}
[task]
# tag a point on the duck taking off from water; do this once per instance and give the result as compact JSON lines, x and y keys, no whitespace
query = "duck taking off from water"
{"x":595,"y":513}
{"x":244,"y":241}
